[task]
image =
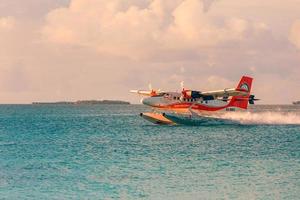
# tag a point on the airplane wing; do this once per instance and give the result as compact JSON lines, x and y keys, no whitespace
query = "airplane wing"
{"x":226,"y":92}
{"x":141,"y":92}
{"x":146,"y":92}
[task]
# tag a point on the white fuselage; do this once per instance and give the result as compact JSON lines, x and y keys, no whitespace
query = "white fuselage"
{"x":175,"y":101}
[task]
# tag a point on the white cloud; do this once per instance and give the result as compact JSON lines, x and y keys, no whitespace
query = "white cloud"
{"x":82,"y":51}
{"x":207,"y":4}
{"x":217,"y":82}
{"x":135,"y":31}
{"x":295,"y":33}
{"x":29,"y":9}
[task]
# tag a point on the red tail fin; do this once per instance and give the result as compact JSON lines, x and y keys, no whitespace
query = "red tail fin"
{"x":244,"y":86}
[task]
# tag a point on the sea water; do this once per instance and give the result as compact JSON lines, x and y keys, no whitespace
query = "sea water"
{"x":109,"y":152}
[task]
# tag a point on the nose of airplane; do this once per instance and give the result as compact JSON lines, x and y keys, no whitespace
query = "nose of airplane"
{"x":147,"y":101}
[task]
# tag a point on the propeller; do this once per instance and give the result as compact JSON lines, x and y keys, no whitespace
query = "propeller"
{"x":150,"y":86}
{"x":182,"y":85}
{"x":153,"y":91}
{"x":183,"y":92}
{"x":141,"y":100}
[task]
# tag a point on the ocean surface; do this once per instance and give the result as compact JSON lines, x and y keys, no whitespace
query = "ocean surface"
{"x":109,"y":152}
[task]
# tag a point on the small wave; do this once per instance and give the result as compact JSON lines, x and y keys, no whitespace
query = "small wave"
{"x":263,"y":117}
{"x":7,"y":143}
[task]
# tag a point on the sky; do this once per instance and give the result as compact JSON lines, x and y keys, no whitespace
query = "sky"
{"x":65,"y":50}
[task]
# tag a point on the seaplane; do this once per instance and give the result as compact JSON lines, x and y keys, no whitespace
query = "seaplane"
{"x":193,"y":106}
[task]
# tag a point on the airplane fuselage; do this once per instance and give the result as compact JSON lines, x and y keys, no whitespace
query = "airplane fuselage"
{"x":175,"y":101}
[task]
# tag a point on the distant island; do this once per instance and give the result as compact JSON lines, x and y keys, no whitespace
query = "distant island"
{"x":83,"y":102}
{"x":296,"y":102}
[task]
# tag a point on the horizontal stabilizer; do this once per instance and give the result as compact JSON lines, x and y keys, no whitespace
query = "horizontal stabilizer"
{"x":252,"y":99}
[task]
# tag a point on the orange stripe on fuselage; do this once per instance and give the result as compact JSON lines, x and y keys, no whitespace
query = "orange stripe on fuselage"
{"x":188,"y":105}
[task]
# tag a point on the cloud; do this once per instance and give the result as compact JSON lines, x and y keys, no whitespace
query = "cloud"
{"x":295,"y":34}
{"x":7,"y":23}
{"x":207,"y":4}
{"x":93,"y":49}
{"x":29,"y":9}
{"x":140,"y":30}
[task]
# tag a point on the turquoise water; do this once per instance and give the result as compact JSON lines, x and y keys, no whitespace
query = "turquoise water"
{"x":108,"y":152}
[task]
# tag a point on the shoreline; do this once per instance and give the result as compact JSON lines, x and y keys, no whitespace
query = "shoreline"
{"x":84,"y":102}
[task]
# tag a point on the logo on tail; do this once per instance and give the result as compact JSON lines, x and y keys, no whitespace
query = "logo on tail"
{"x":245,"y":87}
